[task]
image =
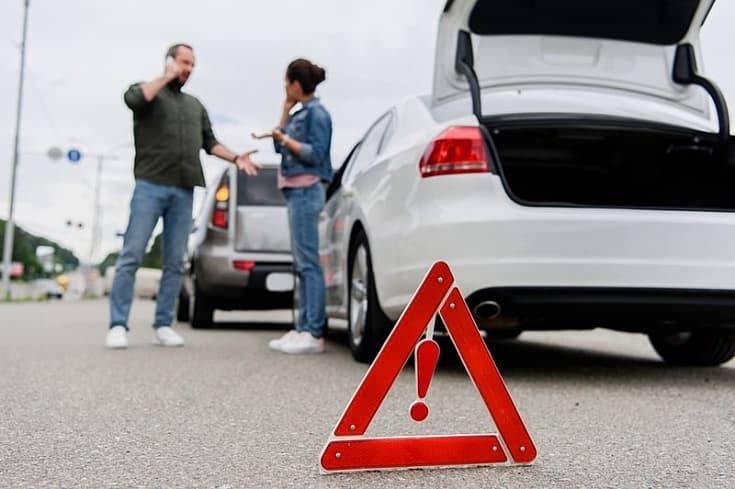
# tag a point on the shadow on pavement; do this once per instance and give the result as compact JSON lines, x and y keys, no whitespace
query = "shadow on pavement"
{"x":534,"y":360}
{"x":538,"y":360}
{"x":253,"y":325}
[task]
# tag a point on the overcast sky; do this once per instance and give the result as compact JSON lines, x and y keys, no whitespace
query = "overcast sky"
{"x":82,"y":54}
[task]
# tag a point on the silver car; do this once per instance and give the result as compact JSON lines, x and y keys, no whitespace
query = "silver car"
{"x":239,"y":254}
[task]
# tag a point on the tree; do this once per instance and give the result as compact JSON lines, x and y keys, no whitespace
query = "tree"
{"x":24,"y":251}
{"x":152,"y":259}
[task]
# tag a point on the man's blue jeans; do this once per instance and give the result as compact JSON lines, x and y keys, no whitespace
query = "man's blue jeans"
{"x":304,"y":207}
{"x":150,"y":202}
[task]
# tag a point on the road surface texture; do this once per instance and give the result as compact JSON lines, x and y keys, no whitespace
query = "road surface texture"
{"x":226,"y":412}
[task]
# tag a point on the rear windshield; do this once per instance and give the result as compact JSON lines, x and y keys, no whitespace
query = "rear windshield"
{"x":259,"y":190}
{"x":648,"y":21}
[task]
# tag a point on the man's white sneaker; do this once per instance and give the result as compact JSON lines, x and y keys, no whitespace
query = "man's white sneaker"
{"x":117,"y":338}
{"x":275,"y":344}
{"x":302,"y":343}
{"x":165,"y":336}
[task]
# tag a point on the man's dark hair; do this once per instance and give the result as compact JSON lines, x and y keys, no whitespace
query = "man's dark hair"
{"x":175,"y":49}
{"x":306,"y":73}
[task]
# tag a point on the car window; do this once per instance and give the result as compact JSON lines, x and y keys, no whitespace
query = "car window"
{"x":261,"y":189}
{"x":387,"y":134}
{"x":369,"y":147}
{"x":336,"y":182}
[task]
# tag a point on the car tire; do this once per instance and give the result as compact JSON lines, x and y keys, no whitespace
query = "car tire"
{"x":201,"y":310}
{"x":701,"y":347}
{"x":182,"y":310}
{"x":368,"y":326}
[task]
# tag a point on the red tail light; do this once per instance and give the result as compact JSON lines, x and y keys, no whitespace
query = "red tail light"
{"x":220,"y":217}
{"x":243,"y":265}
{"x":459,"y":149}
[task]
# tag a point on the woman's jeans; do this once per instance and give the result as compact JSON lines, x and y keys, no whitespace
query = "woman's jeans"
{"x":304,"y":206}
{"x":150,"y":202}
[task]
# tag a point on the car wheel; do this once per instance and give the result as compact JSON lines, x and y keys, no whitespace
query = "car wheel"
{"x":182,"y":310}
{"x":201,"y":310}
{"x":368,"y":324}
{"x":701,"y":347}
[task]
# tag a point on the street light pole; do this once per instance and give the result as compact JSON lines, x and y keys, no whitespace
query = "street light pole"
{"x":96,"y":217}
{"x":9,"y":226}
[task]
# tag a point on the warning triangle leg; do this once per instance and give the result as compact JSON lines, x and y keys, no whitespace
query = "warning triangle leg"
{"x":484,"y":373}
{"x":396,"y":351}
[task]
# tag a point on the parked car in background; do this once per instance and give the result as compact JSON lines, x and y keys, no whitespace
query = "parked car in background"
{"x":240,"y":249}
{"x":47,"y":289}
{"x":147,"y":281}
{"x":570,"y":171}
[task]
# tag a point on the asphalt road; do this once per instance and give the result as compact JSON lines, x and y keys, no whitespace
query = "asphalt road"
{"x":224,"y":411}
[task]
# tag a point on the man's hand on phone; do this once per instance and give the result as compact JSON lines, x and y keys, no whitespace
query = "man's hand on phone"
{"x":246,"y":164}
{"x":172,"y":69}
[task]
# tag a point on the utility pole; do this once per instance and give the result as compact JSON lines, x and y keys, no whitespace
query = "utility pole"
{"x":10,"y":225}
{"x":97,"y":211}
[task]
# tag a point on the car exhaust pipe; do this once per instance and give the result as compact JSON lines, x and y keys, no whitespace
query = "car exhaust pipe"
{"x":487,"y":310}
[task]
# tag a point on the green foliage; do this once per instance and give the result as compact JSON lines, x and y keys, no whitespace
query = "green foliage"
{"x":152,"y":259}
{"x":24,"y":251}
{"x":109,"y":261}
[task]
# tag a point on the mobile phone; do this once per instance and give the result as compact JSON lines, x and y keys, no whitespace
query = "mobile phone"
{"x":170,"y":60}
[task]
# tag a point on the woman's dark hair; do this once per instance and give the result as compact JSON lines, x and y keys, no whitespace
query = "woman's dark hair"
{"x":306,"y":73}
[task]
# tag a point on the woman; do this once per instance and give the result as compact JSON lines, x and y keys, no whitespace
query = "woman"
{"x":304,"y":139}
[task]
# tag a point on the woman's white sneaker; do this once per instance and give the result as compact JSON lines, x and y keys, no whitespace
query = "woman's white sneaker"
{"x":302,"y":343}
{"x":165,"y":336}
{"x":275,"y":344}
{"x":117,"y":338}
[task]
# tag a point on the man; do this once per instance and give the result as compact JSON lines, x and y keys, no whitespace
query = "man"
{"x":170,"y":128}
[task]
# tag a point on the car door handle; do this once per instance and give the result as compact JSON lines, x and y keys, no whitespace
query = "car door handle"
{"x":348,"y":192}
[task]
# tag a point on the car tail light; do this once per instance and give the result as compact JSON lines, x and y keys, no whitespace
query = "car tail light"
{"x":220,"y":217}
{"x":459,"y":149}
{"x":243,"y":265}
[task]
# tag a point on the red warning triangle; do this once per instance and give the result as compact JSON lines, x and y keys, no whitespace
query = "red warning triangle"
{"x":349,"y":450}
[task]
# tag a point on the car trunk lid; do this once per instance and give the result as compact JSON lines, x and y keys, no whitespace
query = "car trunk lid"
{"x":620,"y":45}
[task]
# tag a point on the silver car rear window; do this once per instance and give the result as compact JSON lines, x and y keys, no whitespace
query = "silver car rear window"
{"x":259,"y":190}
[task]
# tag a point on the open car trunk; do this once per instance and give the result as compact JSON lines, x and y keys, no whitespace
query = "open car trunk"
{"x":608,"y":163}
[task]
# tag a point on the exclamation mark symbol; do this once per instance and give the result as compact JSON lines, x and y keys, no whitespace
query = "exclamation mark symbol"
{"x":426,"y":357}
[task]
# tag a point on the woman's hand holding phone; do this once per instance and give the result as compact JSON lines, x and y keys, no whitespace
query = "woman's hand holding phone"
{"x":288,"y":104}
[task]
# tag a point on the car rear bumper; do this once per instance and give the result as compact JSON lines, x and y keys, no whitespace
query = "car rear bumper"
{"x":618,"y":308}
{"x":490,"y":242}
{"x":230,"y":288}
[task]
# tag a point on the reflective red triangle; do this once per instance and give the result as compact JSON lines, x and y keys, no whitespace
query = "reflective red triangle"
{"x":349,"y":450}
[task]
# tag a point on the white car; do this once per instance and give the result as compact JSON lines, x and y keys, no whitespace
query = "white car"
{"x":569,"y":167}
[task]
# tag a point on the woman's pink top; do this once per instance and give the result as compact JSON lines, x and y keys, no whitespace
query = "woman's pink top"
{"x":296,"y":181}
